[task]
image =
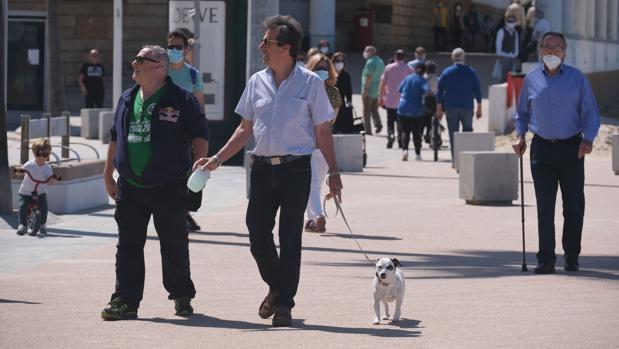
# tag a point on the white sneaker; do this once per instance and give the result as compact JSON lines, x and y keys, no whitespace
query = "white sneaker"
{"x":21,"y":229}
{"x":418,"y":157}
{"x":405,"y":156}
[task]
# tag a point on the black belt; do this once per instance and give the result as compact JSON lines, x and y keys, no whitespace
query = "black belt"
{"x":277,"y":160}
{"x":573,"y":139}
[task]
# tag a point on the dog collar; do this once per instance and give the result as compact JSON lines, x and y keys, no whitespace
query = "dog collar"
{"x":384,"y":284}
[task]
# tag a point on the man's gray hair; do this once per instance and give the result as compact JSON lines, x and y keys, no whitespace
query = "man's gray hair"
{"x":457,"y":55}
{"x":371,"y":49}
{"x":160,"y":54}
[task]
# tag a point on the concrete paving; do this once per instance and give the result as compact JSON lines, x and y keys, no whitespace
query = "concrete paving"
{"x":462,"y":264}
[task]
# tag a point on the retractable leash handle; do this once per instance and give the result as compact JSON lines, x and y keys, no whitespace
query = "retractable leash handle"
{"x":338,"y":208}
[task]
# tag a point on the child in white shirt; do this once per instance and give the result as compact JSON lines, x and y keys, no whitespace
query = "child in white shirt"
{"x":40,"y":171}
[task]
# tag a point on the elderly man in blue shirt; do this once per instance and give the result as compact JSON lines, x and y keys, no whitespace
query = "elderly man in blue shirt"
{"x":457,"y":87}
{"x":287,"y":110}
{"x":556,"y":104}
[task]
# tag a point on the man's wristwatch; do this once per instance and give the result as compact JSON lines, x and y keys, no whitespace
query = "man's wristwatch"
{"x":217,"y":160}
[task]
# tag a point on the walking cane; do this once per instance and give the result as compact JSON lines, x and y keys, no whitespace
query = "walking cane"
{"x":524,"y":261}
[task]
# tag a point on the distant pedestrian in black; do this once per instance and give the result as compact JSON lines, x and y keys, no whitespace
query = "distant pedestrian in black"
{"x":91,"y":80}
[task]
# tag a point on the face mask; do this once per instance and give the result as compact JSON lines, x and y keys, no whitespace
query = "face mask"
{"x":366,"y":55}
{"x":322,"y":74}
{"x":339,"y":66}
{"x":512,"y":25}
{"x":175,"y":56}
{"x":324,"y":50}
{"x":551,"y":61}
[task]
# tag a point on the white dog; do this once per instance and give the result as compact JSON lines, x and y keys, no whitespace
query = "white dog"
{"x":389,"y":285}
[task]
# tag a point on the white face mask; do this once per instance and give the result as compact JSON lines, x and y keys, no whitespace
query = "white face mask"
{"x":551,"y":61}
{"x":339,"y":66}
{"x":511,"y":25}
{"x":366,"y":55}
{"x":324,"y":49}
{"x":322,"y":74}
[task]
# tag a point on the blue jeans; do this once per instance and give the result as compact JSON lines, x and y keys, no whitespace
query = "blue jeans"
{"x":24,"y":201}
{"x":554,"y":165}
{"x":455,"y":117}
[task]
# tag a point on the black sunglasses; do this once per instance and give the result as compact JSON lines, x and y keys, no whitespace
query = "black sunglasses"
{"x":141,"y":59}
{"x":266,"y":41}
{"x":177,"y":47}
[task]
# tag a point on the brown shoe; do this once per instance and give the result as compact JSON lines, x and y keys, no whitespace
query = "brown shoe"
{"x":321,"y":224}
{"x":266,"y":307}
{"x":282,"y":317}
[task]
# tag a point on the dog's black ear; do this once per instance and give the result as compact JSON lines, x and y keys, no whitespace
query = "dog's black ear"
{"x":396,"y":262}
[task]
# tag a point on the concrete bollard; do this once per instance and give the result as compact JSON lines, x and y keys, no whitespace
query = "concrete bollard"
{"x":488,"y":177}
{"x":349,"y":152}
{"x":471,"y":141}
{"x":90,"y":122}
{"x":106,"y":120}
{"x":499,"y":117}
{"x":616,"y":154}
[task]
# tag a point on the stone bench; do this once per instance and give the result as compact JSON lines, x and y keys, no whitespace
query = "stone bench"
{"x":81,"y":188}
{"x":499,"y":117}
{"x":349,"y":152}
{"x":106,"y":120}
{"x":90,"y":122}
{"x":616,"y":154}
{"x":471,"y":141}
{"x":488,"y":177}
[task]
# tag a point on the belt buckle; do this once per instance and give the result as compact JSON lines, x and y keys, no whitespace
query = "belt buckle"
{"x":276,"y":160}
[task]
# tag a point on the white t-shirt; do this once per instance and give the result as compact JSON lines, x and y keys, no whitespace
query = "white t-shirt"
{"x":39,"y":173}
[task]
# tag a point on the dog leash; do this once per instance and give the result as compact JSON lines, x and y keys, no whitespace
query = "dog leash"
{"x":338,"y":208}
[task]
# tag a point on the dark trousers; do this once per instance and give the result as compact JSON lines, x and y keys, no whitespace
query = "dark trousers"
{"x":553,"y":165}
{"x":439,"y":38}
{"x":24,"y":201}
{"x":393,"y":126}
{"x":134,"y":207}
{"x":285,"y":187}
{"x":414,"y":125}
{"x":93,"y":100}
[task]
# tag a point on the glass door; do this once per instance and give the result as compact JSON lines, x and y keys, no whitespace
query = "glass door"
{"x":25,"y":64}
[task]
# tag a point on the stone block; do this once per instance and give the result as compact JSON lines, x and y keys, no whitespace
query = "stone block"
{"x":471,"y":141}
{"x":488,"y":177}
{"x":500,"y":118}
{"x":90,"y":122}
{"x":349,"y":152}
{"x":616,"y":154}
{"x":81,"y":188}
{"x":106,"y":120}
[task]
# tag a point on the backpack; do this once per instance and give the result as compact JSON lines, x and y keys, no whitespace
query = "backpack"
{"x":193,"y":74}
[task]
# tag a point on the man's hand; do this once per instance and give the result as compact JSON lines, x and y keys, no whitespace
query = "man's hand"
{"x":520,"y":146}
{"x":478,"y":113}
{"x":334,"y":182}
{"x":211,"y":163}
{"x":439,"y":112}
{"x":110,"y":186}
{"x":84,"y":91}
{"x":585,"y":148}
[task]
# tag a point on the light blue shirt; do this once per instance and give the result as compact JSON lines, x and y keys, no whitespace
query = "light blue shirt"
{"x":182,"y":77}
{"x":284,"y":118}
{"x":557,"y":107}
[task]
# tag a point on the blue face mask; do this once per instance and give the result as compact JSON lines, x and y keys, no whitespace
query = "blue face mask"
{"x":322,"y":74}
{"x":175,"y":56}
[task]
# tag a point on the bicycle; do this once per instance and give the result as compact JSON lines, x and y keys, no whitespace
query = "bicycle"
{"x":436,"y":142}
{"x":34,"y":219}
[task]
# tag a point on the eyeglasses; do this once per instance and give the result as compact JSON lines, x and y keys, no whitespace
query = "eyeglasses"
{"x":552,"y":48}
{"x":265,"y":42}
{"x":141,"y":59}
{"x":175,"y":47}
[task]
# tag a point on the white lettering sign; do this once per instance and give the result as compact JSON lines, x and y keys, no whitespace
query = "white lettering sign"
{"x":212,"y":41}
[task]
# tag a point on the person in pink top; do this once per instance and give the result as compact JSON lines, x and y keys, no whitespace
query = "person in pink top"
{"x":390,"y":97}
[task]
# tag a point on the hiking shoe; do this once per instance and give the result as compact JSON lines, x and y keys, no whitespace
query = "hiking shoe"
{"x":191,"y":223}
{"x":21,"y":229}
{"x":183,"y":306}
{"x":119,"y":310}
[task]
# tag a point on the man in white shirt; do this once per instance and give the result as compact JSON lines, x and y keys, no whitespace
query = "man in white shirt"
{"x":287,"y":110}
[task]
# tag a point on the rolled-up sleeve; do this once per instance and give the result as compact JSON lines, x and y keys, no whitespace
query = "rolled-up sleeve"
{"x":523,"y":110}
{"x":589,"y":112}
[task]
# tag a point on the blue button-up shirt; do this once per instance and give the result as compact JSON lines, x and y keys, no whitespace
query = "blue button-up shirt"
{"x":557,"y":107}
{"x":284,"y":117}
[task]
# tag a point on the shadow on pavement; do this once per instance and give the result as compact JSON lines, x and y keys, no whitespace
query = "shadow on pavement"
{"x":201,"y":320}
{"x":384,"y":330}
{"x":360,"y":237}
{"x":15,"y":301}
